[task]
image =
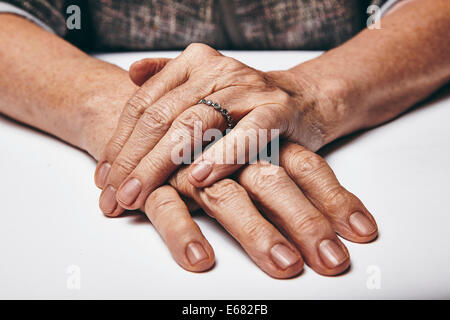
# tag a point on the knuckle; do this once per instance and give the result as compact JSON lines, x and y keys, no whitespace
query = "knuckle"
{"x":266,"y":117}
{"x":255,"y":230}
{"x":196,"y":48}
{"x":151,"y":167}
{"x":223,"y":192}
{"x":270,"y":178}
{"x":226,"y":64}
{"x":123,"y":166}
{"x":310,"y":224}
{"x":155,"y":120}
{"x":337,"y":197}
{"x":114,"y":146}
{"x":180,"y":182}
{"x":305,"y":162}
{"x":188,"y":121}
{"x":138,"y":103}
{"x":160,"y":200}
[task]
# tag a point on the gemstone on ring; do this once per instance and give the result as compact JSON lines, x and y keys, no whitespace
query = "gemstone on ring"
{"x":219,"y":108}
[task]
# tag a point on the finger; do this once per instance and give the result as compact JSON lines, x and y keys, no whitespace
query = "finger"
{"x":150,"y":166}
{"x":174,"y":74}
{"x":288,"y":208}
{"x":230,"y":205}
{"x":142,"y":70}
{"x":171,"y":218}
{"x":240,"y":145}
{"x":184,"y":136}
{"x":347,"y":214}
{"x":146,"y":159}
{"x":108,"y":203}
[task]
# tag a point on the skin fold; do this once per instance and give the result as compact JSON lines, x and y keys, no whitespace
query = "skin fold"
{"x":49,"y":84}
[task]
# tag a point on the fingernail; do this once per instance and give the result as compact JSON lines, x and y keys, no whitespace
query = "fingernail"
{"x":195,"y":253}
{"x":102,"y":174}
{"x":108,"y":201}
{"x":129,"y":192}
{"x":201,"y":170}
{"x":331,"y":253}
{"x":283,"y":256}
{"x":361,"y":224}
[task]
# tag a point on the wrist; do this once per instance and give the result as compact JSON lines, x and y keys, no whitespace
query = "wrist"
{"x":325,"y":98}
{"x":101,"y":106}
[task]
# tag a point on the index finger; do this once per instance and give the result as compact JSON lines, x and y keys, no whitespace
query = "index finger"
{"x":171,"y":76}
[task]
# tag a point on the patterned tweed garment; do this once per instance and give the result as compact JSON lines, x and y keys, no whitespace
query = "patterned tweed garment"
{"x":223,"y":24}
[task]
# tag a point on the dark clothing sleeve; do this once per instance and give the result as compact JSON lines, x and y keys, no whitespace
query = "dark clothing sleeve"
{"x":50,"y":12}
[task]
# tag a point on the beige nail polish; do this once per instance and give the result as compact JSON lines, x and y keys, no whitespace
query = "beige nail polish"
{"x":129,"y":192}
{"x":201,"y":170}
{"x":283,"y":256}
{"x":102,"y":174}
{"x":108,"y":201}
{"x":331,"y":253}
{"x":361,"y":224}
{"x":195,"y":253}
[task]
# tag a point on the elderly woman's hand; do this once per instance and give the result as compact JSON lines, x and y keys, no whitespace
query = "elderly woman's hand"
{"x":302,"y":199}
{"x":165,"y":109}
{"x":280,"y":216}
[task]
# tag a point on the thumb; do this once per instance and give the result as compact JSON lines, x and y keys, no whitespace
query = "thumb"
{"x":142,"y":70}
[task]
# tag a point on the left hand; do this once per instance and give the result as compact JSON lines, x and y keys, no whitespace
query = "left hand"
{"x":138,"y":159}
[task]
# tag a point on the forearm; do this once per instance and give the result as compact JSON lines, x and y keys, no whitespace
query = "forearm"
{"x":51,"y":85}
{"x":380,"y":73}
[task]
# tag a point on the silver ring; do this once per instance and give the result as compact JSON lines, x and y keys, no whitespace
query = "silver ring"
{"x":228,"y":118}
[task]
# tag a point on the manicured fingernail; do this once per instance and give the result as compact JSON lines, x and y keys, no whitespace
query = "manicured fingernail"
{"x":108,"y":201}
{"x":129,"y":192}
{"x":201,"y":170}
{"x":331,"y":253}
{"x":361,"y":224}
{"x":283,"y":256}
{"x":102,"y":174}
{"x":195,"y":253}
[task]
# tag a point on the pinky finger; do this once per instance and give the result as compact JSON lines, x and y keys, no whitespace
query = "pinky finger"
{"x":171,"y":218}
{"x":142,"y":70}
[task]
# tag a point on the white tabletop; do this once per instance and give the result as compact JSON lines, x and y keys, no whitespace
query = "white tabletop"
{"x":53,"y":237}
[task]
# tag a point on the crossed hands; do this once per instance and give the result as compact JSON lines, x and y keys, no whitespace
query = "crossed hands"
{"x":281,"y":213}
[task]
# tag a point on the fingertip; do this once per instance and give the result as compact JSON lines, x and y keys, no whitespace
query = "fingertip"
{"x":142,"y":70}
{"x":129,"y":195}
{"x":334,"y":257}
{"x":101,"y":174}
{"x":364,"y":225}
{"x":342,"y":268}
{"x":198,"y":256}
{"x":200,"y":171}
{"x":196,"y":183}
{"x":290,"y":272}
{"x":205,"y":174}
{"x":117,"y":212}
{"x":137,"y":73}
{"x":358,"y":227}
{"x":282,"y":261}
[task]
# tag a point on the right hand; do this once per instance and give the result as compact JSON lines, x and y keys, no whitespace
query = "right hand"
{"x":302,"y":198}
